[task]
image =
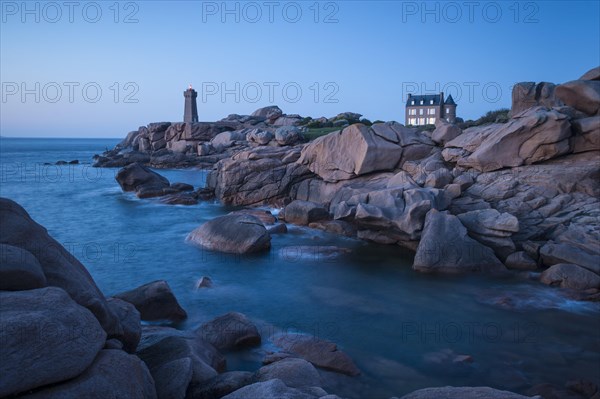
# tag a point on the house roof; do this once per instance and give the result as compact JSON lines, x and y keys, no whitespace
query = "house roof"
{"x":450,"y":100}
{"x":426,"y":99}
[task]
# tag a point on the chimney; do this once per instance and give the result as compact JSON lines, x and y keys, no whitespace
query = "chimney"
{"x":441,"y":98}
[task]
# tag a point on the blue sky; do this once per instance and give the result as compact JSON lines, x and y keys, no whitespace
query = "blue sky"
{"x":101,"y":69}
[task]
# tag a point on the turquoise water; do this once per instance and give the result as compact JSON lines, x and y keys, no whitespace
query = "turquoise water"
{"x":370,"y":302}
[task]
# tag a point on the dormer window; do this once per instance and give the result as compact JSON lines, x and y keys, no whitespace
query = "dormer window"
{"x":430,"y":102}
{"x":421,"y":102}
{"x":412,"y":102}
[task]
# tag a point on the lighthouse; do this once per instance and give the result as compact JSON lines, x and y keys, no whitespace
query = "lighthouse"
{"x":190,"y":113}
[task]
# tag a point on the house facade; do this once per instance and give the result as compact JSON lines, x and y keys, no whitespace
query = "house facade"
{"x":427,"y":109}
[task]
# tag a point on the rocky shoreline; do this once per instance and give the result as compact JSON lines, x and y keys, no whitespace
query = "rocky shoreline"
{"x":62,"y":338}
{"x":518,"y":195}
{"x":515,"y":197}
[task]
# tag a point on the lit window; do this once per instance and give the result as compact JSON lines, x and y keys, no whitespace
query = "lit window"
{"x":447,"y":110}
{"x":421,"y":102}
{"x":430,"y":102}
{"x":421,"y":111}
{"x":412,"y":102}
{"x":421,"y":121}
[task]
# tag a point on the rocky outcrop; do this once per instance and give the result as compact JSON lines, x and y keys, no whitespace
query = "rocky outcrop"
{"x":592,"y":74}
{"x":381,"y":147}
{"x":147,"y":184}
{"x":263,"y":175}
{"x":583,"y":95}
{"x":154,"y":301}
{"x":530,"y":94}
{"x":270,"y":113}
{"x":493,"y":229}
{"x":237,"y":234}
{"x":534,"y":135}
{"x":259,"y":137}
{"x":445,"y":131}
{"x":445,"y":247}
{"x":586,"y":134}
{"x":289,"y":135}
{"x":202,"y":144}
{"x":136,"y":177}
{"x":66,"y":339}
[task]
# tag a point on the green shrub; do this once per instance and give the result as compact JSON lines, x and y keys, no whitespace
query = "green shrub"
{"x":497,"y":116}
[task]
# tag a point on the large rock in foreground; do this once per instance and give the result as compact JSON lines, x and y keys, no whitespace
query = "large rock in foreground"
{"x":358,"y":150}
{"x":19,"y":270}
{"x":445,"y":247}
{"x":114,"y":374}
{"x":463,"y":393}
{"x":45,"y":338}
{"x":154,"y":301}
{"x":238,"y":234}
{"x":60,"y":267}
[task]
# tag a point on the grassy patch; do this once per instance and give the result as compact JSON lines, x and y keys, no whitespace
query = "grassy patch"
{"x":313,"y":133}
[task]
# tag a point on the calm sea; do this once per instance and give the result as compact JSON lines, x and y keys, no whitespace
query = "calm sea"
{"x":391,"y":320}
